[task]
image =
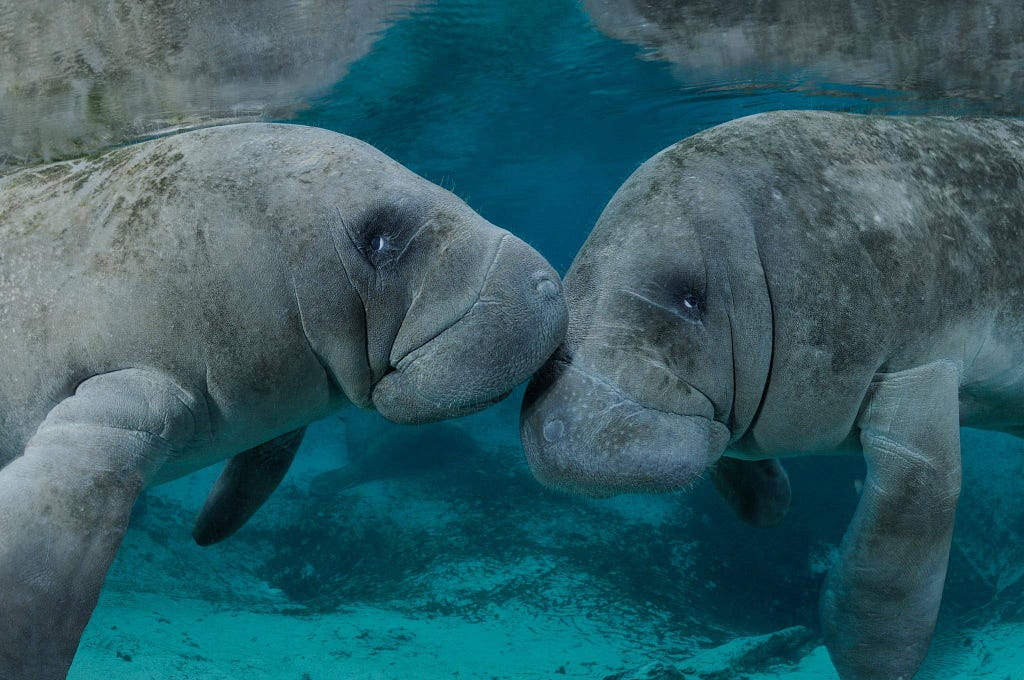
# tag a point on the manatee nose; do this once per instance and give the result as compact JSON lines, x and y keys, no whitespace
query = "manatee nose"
{"x":537,"y":294}
{"x":582,"y":434}
{"x":548,"y":287}
{"x":554,"y":430}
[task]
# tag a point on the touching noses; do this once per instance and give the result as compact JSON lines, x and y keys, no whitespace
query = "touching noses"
{"x":535,"y":315}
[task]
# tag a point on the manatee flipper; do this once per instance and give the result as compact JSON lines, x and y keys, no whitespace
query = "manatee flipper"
{"x":881,"y":600}
{"x":64,"y":507}
{"x":757,"y":490}
{"x":245,"y":484}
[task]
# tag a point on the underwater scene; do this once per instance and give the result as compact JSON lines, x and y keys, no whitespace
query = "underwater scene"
{"x":271,"y":233}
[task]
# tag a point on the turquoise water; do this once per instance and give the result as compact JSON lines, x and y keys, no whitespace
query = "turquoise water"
{"x":433,"y":553}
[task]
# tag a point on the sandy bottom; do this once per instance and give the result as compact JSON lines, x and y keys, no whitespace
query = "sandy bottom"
{"x":428,"y":560}
{"x":148,"y":636}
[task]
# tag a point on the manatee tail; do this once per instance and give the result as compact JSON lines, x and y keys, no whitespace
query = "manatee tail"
{"x":338,"y":479}
{"x":361,"y":429}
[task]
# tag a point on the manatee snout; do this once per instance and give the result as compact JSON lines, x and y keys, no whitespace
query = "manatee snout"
{"x":512,"y":326}
{"x":584,"y":435}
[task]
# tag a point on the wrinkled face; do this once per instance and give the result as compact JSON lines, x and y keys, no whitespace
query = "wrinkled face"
{"x":456,"y":311}
{"x":640,"y":396}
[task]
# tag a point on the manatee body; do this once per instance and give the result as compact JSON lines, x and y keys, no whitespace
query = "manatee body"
{"x":795,"y":283}
{"x":177,"y":302}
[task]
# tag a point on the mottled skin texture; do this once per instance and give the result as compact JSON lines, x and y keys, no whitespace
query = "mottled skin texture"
{"x":794,"y":283}
{"x":174,"y":303}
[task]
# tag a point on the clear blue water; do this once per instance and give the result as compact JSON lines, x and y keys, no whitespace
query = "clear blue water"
{"x":448,"y":560}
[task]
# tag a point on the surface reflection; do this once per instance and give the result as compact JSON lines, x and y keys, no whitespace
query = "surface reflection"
{"x":78,"y":77}
{"x":926,"y":49}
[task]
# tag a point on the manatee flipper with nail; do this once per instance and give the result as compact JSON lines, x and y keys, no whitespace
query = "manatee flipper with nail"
{"x":797,"y":283}
{"x":174,"y":303}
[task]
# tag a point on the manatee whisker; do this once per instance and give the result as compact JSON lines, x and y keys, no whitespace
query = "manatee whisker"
{"x":657,"y":305}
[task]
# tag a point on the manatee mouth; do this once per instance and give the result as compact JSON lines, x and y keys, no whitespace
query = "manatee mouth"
{"x":397,"y":398}
{"x":584,"y":435}
{"x":516,"y":321}
{"x":424,"y":386}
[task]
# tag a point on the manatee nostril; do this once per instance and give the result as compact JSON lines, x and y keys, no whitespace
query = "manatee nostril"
{"x":546,"y":285}
{"x":554,"y":429}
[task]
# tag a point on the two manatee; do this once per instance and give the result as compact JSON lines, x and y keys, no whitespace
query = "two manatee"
{"x":794,"y":283}
{"x":787,"y":283}
{"x":204,"y":296}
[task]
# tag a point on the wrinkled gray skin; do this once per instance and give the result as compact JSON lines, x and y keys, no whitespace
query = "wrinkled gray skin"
{"x":795,"y":283}
{"x":175,"y":303}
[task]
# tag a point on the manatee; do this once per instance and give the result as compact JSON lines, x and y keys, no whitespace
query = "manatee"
{"x":203,"y":296}
{"x":798,"y":283}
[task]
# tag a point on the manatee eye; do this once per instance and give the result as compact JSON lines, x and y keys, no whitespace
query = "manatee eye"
{"x":690,"y":304}
{"x":383,"y":233}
